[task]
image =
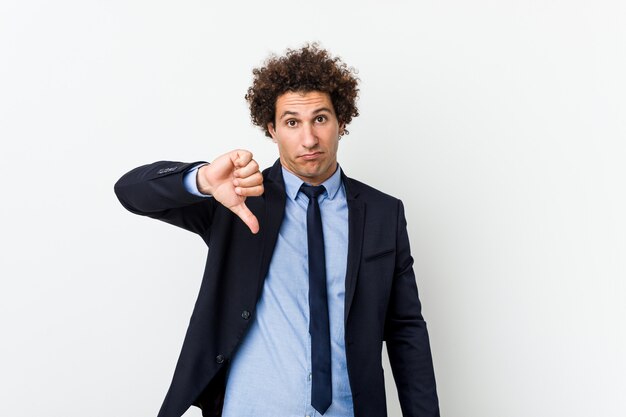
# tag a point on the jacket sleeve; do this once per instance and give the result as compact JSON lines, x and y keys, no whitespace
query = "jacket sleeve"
{"x":406,"y":336}
{"x":157,"y":190}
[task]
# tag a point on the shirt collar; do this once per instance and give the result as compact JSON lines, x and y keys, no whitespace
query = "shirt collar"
{"x":293,"y":183}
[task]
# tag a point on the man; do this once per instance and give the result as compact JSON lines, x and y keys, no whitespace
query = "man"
{"x":308,"y":270}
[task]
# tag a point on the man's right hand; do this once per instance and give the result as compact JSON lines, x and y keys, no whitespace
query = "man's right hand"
{"x":231,"y":178}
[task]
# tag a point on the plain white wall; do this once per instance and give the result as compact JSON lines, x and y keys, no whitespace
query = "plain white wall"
{"x":501,"y":125}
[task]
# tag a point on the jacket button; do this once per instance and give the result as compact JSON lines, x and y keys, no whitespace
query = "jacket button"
{"x":245,"y":314}
{"x":219,"y":359}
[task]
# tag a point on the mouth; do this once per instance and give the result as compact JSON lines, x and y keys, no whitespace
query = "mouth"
{"x":311,"y":156}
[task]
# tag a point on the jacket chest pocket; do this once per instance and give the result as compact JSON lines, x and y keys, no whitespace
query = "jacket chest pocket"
{"x":377,"y":272}
{"x":377,"y":255}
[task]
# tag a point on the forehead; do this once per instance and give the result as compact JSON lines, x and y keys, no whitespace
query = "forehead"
{"x":302,"y":102}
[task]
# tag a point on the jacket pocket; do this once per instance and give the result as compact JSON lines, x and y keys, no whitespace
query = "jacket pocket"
{"x":378,"y":255}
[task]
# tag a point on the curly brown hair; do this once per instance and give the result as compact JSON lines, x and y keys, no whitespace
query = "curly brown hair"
{"x":302,"y":70}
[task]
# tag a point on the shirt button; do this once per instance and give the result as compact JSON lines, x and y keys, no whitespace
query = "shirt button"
{"x":219,"y":359}
{"x":245,"y":314}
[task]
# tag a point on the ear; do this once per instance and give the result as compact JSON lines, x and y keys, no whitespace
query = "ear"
{"x":270,"y":128}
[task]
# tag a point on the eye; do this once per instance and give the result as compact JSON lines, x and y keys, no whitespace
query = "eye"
{"x":291,"y":123}
{"x":320,"y":119}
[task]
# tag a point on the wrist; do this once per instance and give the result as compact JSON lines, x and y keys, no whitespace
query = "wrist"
{"x":202,"y":183}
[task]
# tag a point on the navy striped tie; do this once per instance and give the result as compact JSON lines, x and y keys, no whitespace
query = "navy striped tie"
{"x":321,"y":389}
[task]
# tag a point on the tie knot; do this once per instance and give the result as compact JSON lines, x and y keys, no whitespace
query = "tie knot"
{"x":312,"y":191}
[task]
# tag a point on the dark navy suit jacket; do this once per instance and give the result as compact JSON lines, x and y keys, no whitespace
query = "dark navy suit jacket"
{"x":381,"y":301}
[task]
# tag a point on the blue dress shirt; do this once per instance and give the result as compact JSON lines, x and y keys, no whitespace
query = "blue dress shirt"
{"x":270,"y":374}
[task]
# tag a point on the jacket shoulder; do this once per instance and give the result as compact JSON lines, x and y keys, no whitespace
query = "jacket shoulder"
{"x":367,"y":192}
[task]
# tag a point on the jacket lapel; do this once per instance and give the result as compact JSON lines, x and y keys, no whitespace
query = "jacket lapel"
{"x":274,"y":196}
{"x":356,"y":223}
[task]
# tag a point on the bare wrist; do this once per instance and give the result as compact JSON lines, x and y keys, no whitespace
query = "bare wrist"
{"x":201,"y":181}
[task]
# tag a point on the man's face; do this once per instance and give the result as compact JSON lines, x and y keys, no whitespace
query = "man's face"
{"x":307,"y":134}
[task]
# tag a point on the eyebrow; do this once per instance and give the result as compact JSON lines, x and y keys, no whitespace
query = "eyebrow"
{"x":294,"y":113}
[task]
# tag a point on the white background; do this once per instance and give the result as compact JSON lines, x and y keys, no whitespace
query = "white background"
{"x":500,"y":124}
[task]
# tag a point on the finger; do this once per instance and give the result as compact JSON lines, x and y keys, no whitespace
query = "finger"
{"x":243,"y":212}
{"x":254,"y":191}
{"x":252,"y":180}
{"x":241,"y":158}
{"x":247,"y":170}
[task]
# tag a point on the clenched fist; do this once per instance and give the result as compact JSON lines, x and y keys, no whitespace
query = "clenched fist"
{"x":231,"y":178}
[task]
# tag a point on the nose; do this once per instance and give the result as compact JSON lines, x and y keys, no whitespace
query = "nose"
{"x":309,"y":138}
